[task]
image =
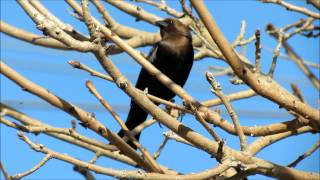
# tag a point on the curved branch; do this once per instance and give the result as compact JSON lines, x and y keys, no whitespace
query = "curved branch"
{"x":35,"y":168}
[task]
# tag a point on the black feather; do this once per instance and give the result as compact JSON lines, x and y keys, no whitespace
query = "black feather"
{"x":173,"y":56}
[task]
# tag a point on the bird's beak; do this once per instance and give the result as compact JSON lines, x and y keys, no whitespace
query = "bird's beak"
{"x":162,"y":24}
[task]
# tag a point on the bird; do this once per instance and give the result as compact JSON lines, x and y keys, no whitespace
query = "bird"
{"x":173,"y":56}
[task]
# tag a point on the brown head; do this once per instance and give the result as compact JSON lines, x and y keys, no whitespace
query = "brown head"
{"x":173,"y":27}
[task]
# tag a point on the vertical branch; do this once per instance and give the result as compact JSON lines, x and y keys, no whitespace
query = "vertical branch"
{"x":216,"y":89}
{"x":84,"y":172}
{"x":297,"y":92}
{"x":258,"y":52}
{"x":88,"y":20}
{"x":106,"y":16}
{"x":292,"y":54}
{"x":240,"y":37}
{"x":95,"y":157}
{"x":161,"y":147}
{"x":276,"y":54}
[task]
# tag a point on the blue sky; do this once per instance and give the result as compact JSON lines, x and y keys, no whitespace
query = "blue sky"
{"x":49,"y":68}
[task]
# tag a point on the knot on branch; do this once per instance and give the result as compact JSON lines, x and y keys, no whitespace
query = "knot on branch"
{"x":74,"y":64}
{"x":122,"y":83}
{"x":220,"y":155}
{"x":236,"y":81}
{"x":102,"y":130}
{"x":192,"y":105}
{"x":214,"y":83}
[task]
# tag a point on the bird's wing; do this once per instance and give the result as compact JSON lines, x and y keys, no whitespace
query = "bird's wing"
{"x":144,"y":78}
{"x":153,"y":53}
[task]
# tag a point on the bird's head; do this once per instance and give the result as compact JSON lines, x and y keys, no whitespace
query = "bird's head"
{"x":173,"y":27}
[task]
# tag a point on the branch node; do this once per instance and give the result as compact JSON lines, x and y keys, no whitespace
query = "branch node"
{"x":122,"y":83}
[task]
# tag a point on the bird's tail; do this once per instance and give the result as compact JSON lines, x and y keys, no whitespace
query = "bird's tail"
{"x":136,"y":116}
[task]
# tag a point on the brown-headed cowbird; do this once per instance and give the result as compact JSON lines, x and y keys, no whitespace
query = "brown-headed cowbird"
{"x":173,"y":56}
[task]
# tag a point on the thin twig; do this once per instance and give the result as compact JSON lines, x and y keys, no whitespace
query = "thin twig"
{"x":216,"y":89}
{"x":147,"y":155}
{"x":262,"y":142}
{"x":303,"y":156}
{"x":247,"y":41}
{"x":232,"y":97}
{"x":286,"y":57}
{"x":78,"y":65}
{"x":225,"y":71}
{"x":95,"y":73}
{"x":35,"y":168}
{"x":4,"y":171}
{"x":74,"y":125}
{"x":142,"y":126}
{"x":292,"y":7}
{"x":294,"y":56}
{"x":241,"y":34}
{"x":240,"y":41}
{"x":161,"y":147}
{"x":95,"y":158}
{"x":124,"y":174}
{"x":304,"y":26}
{"x":174,"y":136}
{"x":207,"y":127}
{"x":297,"y":24}
{"x":163,"y":7}
{"x":276,"y":54}
{"x":107,"y":17}
{"x":297,"y":92}
{"x":258,"y":52}
{"x":43,"y":128}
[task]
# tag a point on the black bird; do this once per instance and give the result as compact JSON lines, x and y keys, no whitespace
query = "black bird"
{"x":173,"y":56}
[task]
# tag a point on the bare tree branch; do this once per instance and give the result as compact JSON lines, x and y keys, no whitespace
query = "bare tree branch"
{"x":292,"y":7}
{"x":107,"y":36}
{"x":216,"y":89}
{"x":303,"y":156}
{"x":4,"y":171}
{"x":260,"y":84}
{"x":147,"y":155}
{"x":35,"y":168}
{"x":83,"y":171}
